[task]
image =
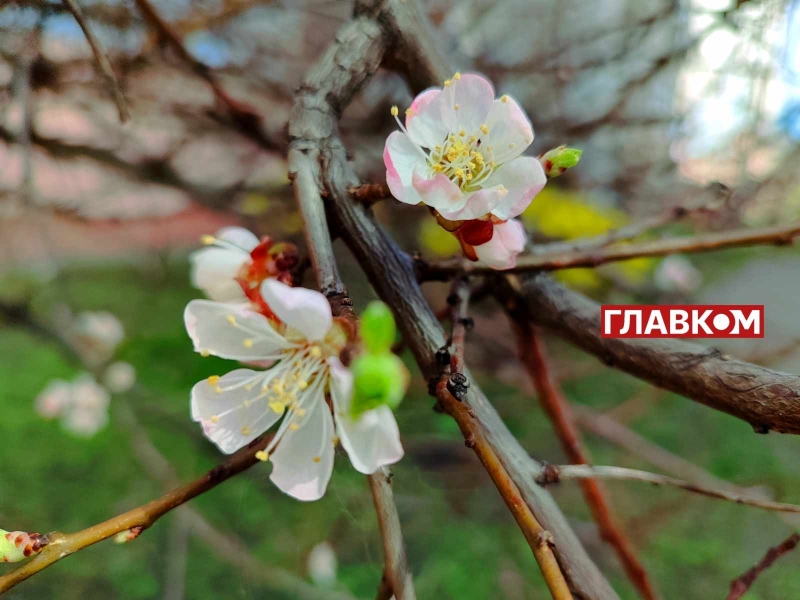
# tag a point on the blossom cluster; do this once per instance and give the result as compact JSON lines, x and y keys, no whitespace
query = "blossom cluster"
{"x":256,"y":317}
{"x":460,"y":153}
{"x":80,"y":404}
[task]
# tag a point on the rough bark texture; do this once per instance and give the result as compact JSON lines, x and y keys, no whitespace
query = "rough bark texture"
{"x":767,"y":399}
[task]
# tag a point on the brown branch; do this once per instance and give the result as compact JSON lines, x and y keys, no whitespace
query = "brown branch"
{"x":391,"y":273}
{"x":461,"y":322}
{"x":742,"y":584}
{"x":244,"y":117}
{"x":63,"y":544}
{"x":539,"y":539}
{"x":532,"y":354}
{"x":767,"y":399}
{"x":777,"y":235}
{"x":305,"y":153}
{"x":556,"y":473}
{"x":102,"y":60}
{"x":370,"y":193}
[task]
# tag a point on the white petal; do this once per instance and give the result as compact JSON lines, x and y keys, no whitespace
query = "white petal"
{"x":401,"y":157}
{"x":425,"y":123}
{"x":214,"y":270}
{"x":238,"y":236}
{"x":235,"y":415}
{"x":474,"y":96}
{"x":305,"y":310}
{"x":249,"y":337}
{"x":524,"y":178}
{"x":508,"y":125}
{"x":478,"y":204}
{"x":303,"y":460}
{"x":371,"y":441}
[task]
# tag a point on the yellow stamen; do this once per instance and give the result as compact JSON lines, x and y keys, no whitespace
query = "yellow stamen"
{"x":262,"y":456}
{"x":246,"y":431}
{"x":205,"y":353}
{"x":218,"y":390}
{"x":294,"y":426}
{"x":409,"y":112}
{"x":208,"y":239}
{"x":247,"y":343}
{"x":457,"y":75}
{"x":317,"y":459}
{"x":456,"y":107}
{"x":447,"y":83}
{"x":213,"y":380}
{"x":277,"y":407}
{"x":462,"y":133}
{"x":335,"y":441}
{"x":214,"y":419}
{"x":503,"y":99}
{"x":302,"y":384}
{"x":301,"y":412}
{"x":315,"y":352}
{"x":231,"y":319}
{"x":395,"y":111}
{"x":484,"y":128}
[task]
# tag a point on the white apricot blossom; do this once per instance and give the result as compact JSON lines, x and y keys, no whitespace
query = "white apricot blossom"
{"x":460,"y":152}
{"x":215,"y":268}
{"x":236,"y":408}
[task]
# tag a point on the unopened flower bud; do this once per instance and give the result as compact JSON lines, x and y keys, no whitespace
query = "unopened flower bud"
{"x":19,"y":545}
{"x":556,"y":161}
{"x":123,"y":537}
{"x":377,"y":379}
{"x":378,"y":328}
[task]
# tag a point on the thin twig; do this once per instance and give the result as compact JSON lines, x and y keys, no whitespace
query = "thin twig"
{"x":556,"y":473}
{"x":370,"y":193}
{"x":246,"y":118}
{"x":670,"y":215}
{"x":532,"y":354}
{"x":102,"y":60}
{"x":63,"y":544}
{"x":461,"y":322}
{"x":538,"y":538}
{"x":777,"y":235}
{"x":742,"y":584}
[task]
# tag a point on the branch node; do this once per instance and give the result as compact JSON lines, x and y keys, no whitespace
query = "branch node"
{"x":457,"y":385}
{"x":548,"y":476}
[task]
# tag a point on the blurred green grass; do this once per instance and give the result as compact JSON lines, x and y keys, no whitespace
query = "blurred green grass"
{"x":462,"y":542}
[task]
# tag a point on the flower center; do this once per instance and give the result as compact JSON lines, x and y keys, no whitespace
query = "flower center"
{"x":462,"y":160}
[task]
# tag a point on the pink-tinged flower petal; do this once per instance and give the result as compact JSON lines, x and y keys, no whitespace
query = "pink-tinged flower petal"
{"x":303,"y":460}
{"x":524,"y":177}
{"x":214,"y":270}
{"x":501,"y":251}
{"x":401,"y":157}
{"x":474,"y":96}
{"x":85,"y":422}
{"x":478,"y":204}
{"x":233,"y":409}
{"x":424,"y":121}
{"x":439,"y":192}
{"x":238,"y":236}
{"x":306,"y":310}
{"x":510,"y":131}
{"x":232,"y":331}
{"x":371,"y":441}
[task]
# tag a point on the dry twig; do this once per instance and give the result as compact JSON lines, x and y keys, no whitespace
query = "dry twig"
{"x":556,"y":473}
{"x":102,"y":60}
{"x":742,"y":584}
{"x":532,"y":354}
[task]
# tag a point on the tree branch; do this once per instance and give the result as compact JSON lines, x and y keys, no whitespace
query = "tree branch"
{"x":305,"y":152}
{"x":63,"y":544}
{"x":533,"y":357}
{"x":741,"y":585}
{"x":101,"y":59}
{"x":539,"y":539}
{"x":594,"y":257}
{"x":556,"y":473}
{"x":767,"y":399}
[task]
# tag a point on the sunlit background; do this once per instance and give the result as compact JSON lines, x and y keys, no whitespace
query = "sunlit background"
{"x":667,"y":98}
